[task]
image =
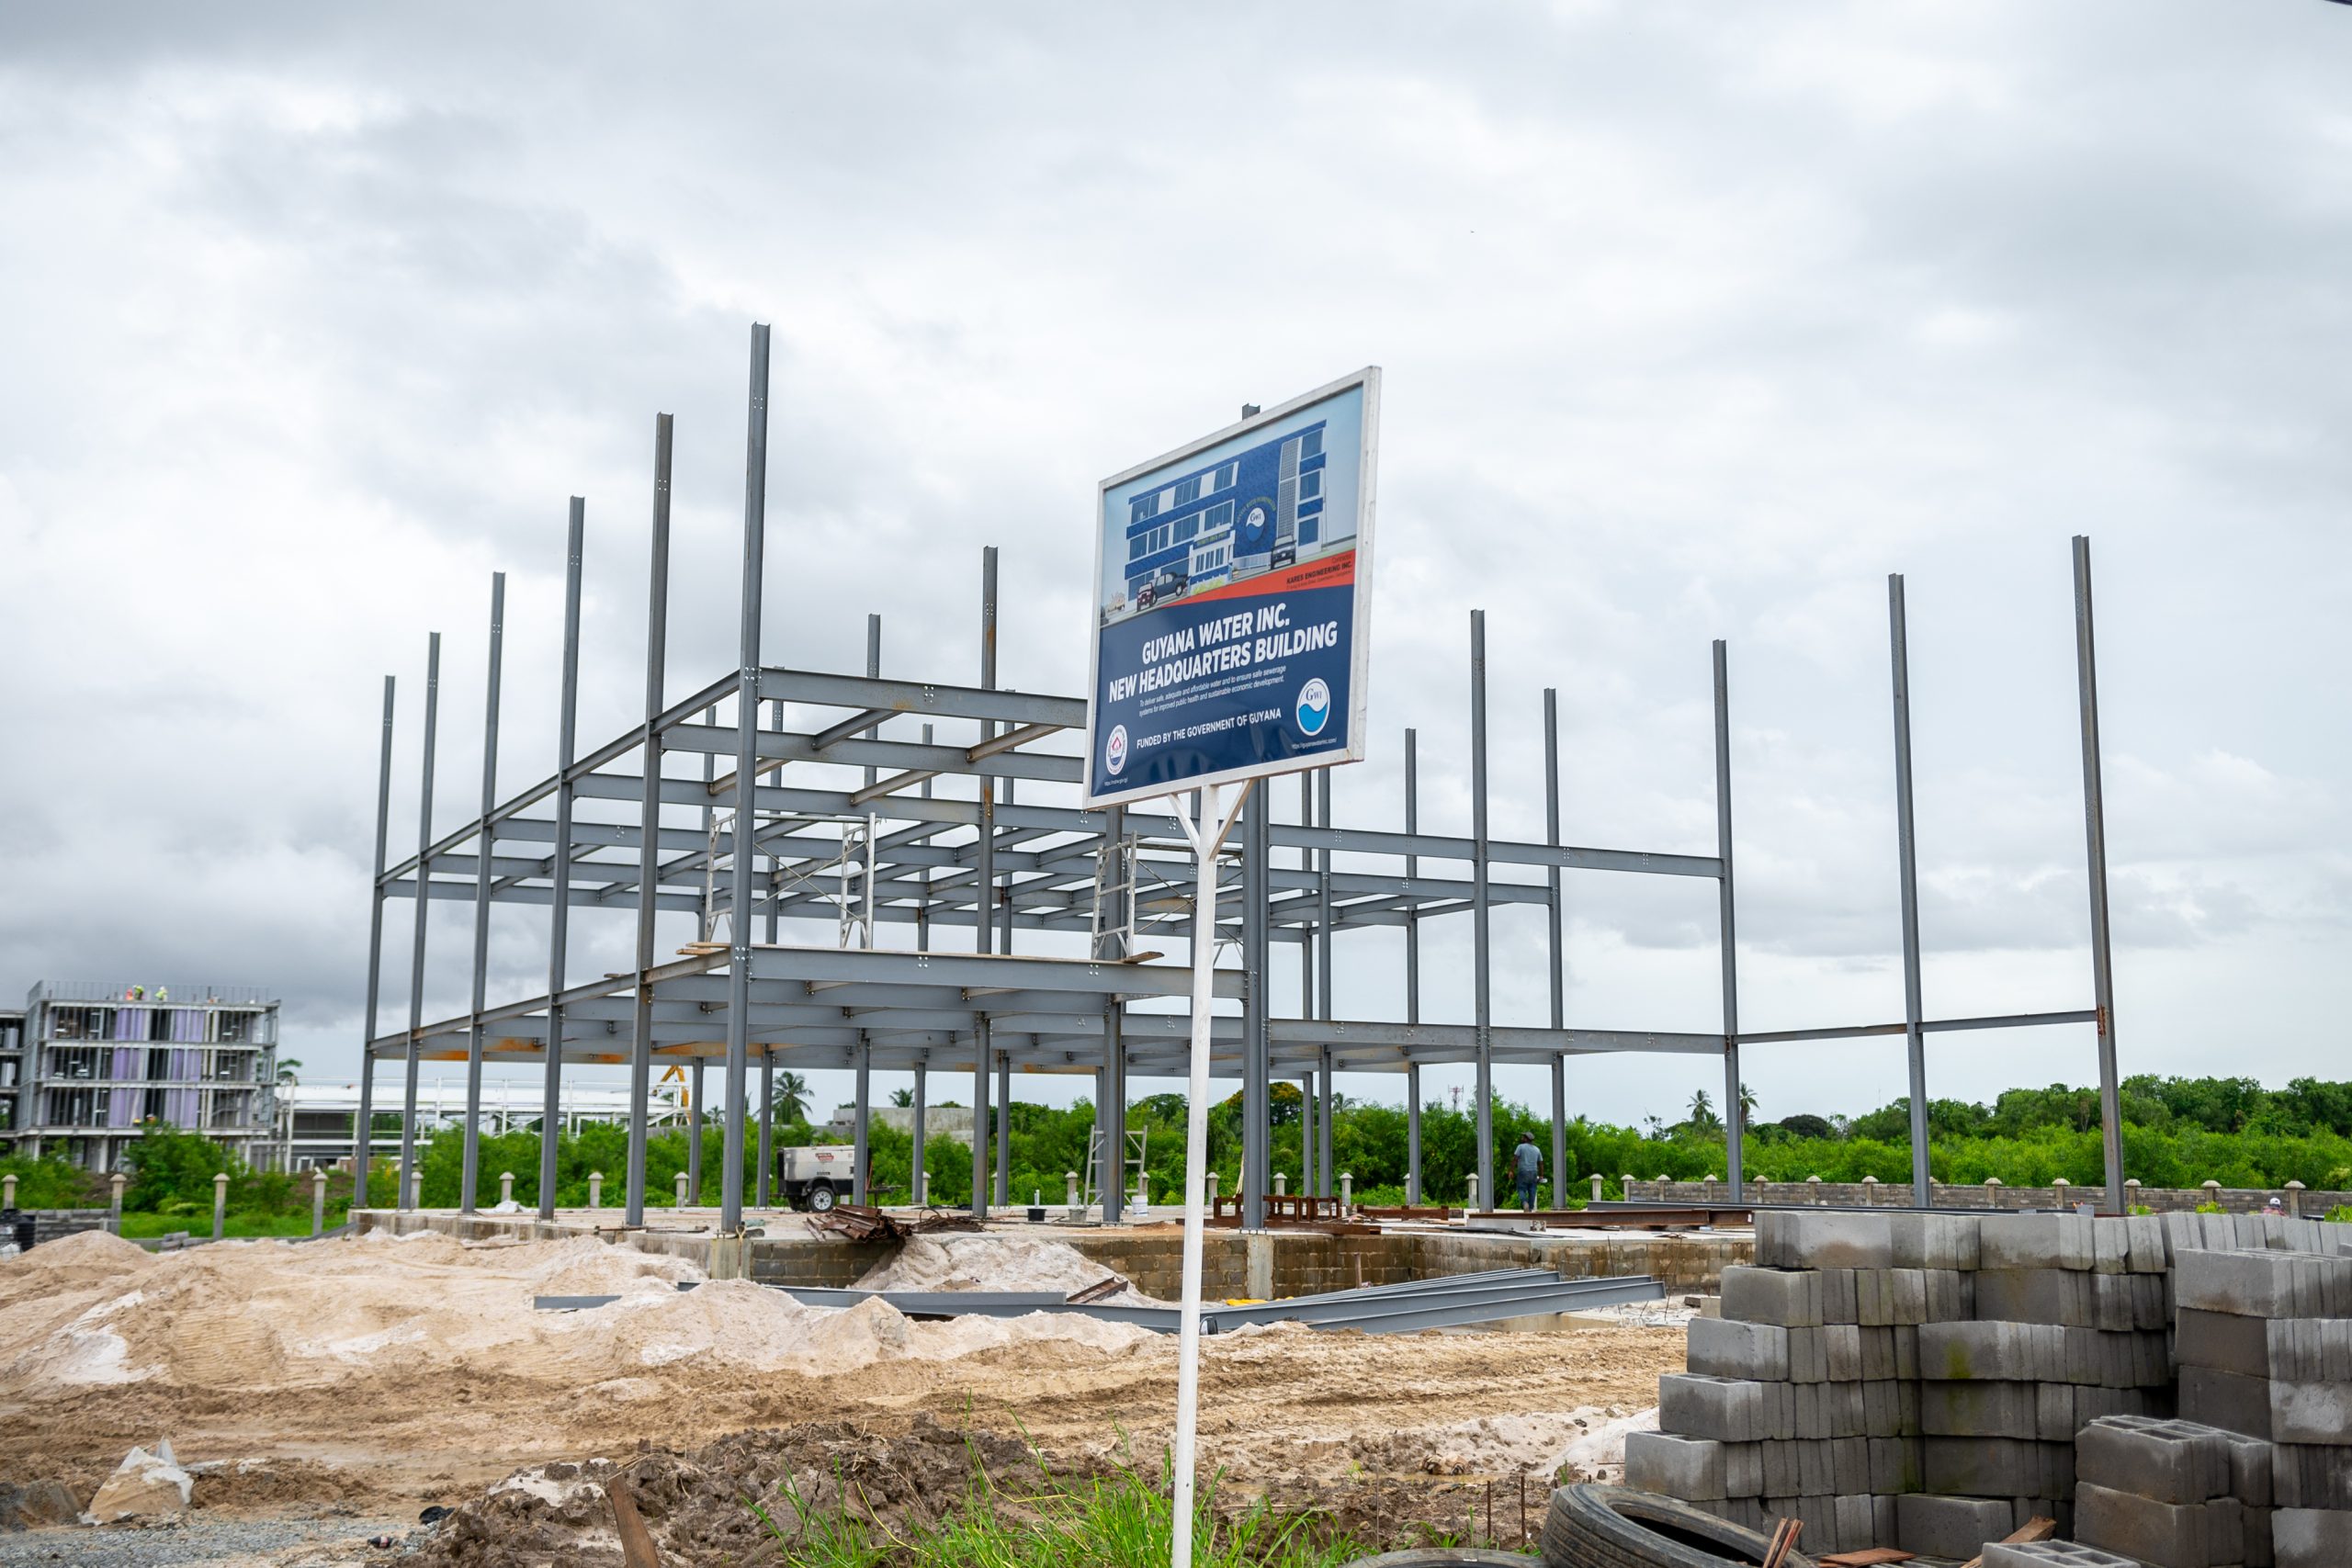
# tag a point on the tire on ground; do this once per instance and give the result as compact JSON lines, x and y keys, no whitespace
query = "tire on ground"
{"x":1590,"y":1526}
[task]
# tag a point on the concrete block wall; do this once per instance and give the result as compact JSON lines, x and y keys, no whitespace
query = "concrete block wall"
{"x":1920,"y":1380}
{"x":2297,"y":1202}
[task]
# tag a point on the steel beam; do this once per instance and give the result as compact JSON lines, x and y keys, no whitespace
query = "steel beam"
{"x":407,"y":1199}
{"x":747,"y":727}
{"x":657,"y":640}
{"x":470,"y":1159}
{"x":363,"y":1124}
{"x":1727,"y":928}
{"x":1907,"y":871}
{"x":1482,"y":933}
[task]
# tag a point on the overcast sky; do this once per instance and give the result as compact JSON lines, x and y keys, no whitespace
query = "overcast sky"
{"x":1697,"y":320}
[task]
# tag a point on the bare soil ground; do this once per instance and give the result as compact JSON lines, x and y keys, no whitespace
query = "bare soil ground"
{"x":414,"y":1372}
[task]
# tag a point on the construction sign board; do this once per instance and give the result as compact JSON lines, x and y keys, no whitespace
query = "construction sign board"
{"x":1233,"y":580}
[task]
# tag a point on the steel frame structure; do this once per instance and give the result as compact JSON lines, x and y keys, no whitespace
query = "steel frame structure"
{"x":983,"y":862}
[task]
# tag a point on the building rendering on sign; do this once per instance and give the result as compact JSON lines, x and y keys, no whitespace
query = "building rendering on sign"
{"x":86,"y":1068}
{"x":1240,"y":518}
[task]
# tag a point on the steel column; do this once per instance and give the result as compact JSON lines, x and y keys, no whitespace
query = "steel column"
{"x":559,"y":927}
{"x":1412,"y":869}
{"x":1412,"y":1132}
{"x":695,"y":1113}
{"x":2111,"y":1114}
{"x":1257,"y":1151}
{"x":1555,"y":946}
{"x":649,"y":854}
{"x":980,"y":1114}
{"x":862,"y":1124}
{"x":1324,"y":1183}
{"x":984,"y":899}
{"x":767,"y":1128}
{"x":919,"y":1132}
{"x":1004,"y":1127}
{"x":407,"y":1199}
{"x":1481,"y":905}
{"x":363,"y":1125}
{"x":747,"y":729}
{"x":469,"y":1158}
{"x":1734,"y":1118}
{"x":1907,"y":866}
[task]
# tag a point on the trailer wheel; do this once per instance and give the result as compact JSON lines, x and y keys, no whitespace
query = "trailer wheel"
{"x":1449,"y":1557}
{"x":821,"y":1197}
{"x":1590,"y":1526}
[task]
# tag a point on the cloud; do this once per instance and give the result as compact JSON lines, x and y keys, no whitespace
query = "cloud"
{"x":1694,"y":328}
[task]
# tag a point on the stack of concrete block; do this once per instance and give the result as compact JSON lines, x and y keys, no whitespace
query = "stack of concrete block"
{"x":1918,"y":1380}
{"x":2265,"y":1346}
{"x":2173,"y":1494}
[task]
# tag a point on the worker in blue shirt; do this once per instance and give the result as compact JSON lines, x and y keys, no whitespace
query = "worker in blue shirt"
{"x":1526,"y":1165}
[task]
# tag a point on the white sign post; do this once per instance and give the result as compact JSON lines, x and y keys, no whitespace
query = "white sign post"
{"x":1232,"y":578}
{"x":1208,"y":835}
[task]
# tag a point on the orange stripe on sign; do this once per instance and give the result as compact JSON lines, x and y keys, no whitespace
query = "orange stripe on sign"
{"x":1332,"y":571}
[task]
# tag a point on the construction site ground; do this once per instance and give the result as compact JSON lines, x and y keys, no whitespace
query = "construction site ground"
{"x":341,"y":1385}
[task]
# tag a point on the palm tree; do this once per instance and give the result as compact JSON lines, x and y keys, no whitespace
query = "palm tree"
{"x":791,"y":1096}
{"x":1703,"y":1111}
{"x":902,"y":1098}
{"x":1746,"y":1104}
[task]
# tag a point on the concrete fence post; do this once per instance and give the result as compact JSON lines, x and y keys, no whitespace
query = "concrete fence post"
{"x":220,"y":1205}
{"x":2131,"y":1192}
{"x":1815,"y":1196}
{"x":596,"y":1188}
{"x":682,"y":1189}
{"x":2295,"y":1199}
{"x":505,"y":1188}
{"x":1346,"y":1191}
{"x":1870,"y":1191}
{"x":1471,"y":1201}
{"x":1208,"y":1190}
{"x":2213,"y":1192}
{"x":318,"y":1201}
{"x":1596,"y":1187}
{"x":1143,"y":1190}
{"x":8,"y":1191}
{"x":922,"y":1190}
{"x":1282,"y":1184}
{"x":1071,"y":1179}
{"x":114,"y":1203}
{"x":2058,"y":1185}
{"x":1625,"y":1186}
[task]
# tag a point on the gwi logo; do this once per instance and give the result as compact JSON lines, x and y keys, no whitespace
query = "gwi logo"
{"x":1314,"y":708}
{"x":1114,"y":751}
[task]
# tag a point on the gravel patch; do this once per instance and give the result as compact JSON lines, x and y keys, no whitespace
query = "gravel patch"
{"x":279,"y":1541}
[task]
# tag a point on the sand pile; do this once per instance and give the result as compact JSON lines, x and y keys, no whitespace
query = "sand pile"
{"x":983,"y":1262}
{"x":266,"y":1316}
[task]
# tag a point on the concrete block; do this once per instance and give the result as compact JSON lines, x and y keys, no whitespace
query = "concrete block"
{"x":1743,"y":1469}
{"x":1851,"y":1523}
{"x":1780,"y":1410}
{"x":1808,"y":1355}
{"x":1907,"y":1351}
{"x":2166,"y":1462}
{"x":1890,"y":1409}
{"x":2182,"y":1233}
{"x":1667,"y":1462}
{"x":2035,"y":1241}
{"x":2144,"y":1243}
{"x":1849,"y":1465}
{"x":1894,"y":1465}
{"x":1839,"y":1295}
{"x":1823,"y":1238}
{"x":2035,"y":1295}
{"x":2003,"y":1351}
{"x":2261,"y":1284}
{"x":1906,"y":1296}
{"x":1815,"y":1478}
{"x":2050,"y":1554}
{"x":2311,"y":1538}
{"x":1921,"y":1240}
{"x":1722,"y":1347}
{"x":1877,"y":1353}
{"x":2304,"y":1476}
{"x":2314,"y":1413}
{"x":1730,"y":1410}
{"x":2110,"y":1248}
{"x":2057,"y":1415}
{"x":1997,"y":1467}
{"x":2307,"y":1349}
{"x":1982,"y":1410}
{"x":2252,"y":1464}
{"x":2226,"y":1400}
{"x":2259,"y":1552}
{"x":1787,"y":1298}
{"x":1842,"y":1352}
{"x":1779,"y":1468}
{"x":1957,"y":1527}
{"x":2163,"y":1535}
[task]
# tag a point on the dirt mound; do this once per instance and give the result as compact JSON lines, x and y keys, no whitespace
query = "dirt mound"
{"x":70,"y":1262}
{"x":985,"y":1263}
{"x":699,"y":1505}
